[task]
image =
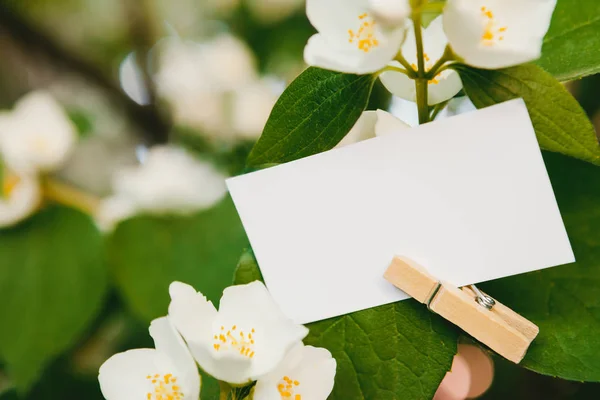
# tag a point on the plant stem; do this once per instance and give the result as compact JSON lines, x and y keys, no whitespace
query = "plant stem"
{"x":423,"y":108}
{"x":410,"y":71}
{"x":437,"y":108}
{"x":394,"y":69}
{"x":421,"y":82}
{"x":67,"y":195}
{"x":437,"y":67}
{"x":225,"y":391}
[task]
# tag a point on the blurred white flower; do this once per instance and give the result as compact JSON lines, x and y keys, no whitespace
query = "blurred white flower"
{"x":197,"y":80}
{"x":390,"y":12}
{"x":246,"y":339}
{"x":251,"y":106}
{"x":19,"y":198}
{"x":306,"y":373}
{"x":37,"y":136}
{"x":184,"y":82}
{"x":165,"y":373}
{"x":229,"y":62}
{"x":372,"y":124}
{"x":349,"y":39}
{"x":497,"y":33}
{"x":169,"y":181}
{"x":443,"y":86}
{"x":272,"y":11}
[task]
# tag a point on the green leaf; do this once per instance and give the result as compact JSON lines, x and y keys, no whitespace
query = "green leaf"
{"x":571,"y":45}
{"x":395,"y":351}
{"x":147,"y":253}
{"x":52,"y":283}
{"x":564,"y":301}
{"x":313,"y":115}
{"x":82,"y":122}
{"x":560,"y":123}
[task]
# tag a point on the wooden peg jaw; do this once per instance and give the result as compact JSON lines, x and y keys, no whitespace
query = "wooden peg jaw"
{"x":500,"y":328}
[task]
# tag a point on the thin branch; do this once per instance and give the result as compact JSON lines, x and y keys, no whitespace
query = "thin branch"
{"x":148,"y":118}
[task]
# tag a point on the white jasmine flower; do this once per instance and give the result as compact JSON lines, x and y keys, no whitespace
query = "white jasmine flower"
{"x":251,"y":107}
{"x":391,"y":12}
{"x":372,"y":124}
{"x":271,"y":11}
{"x":349,"y":40}
{"x":497,"y":33}
{"x":20,"y":197}
{"x":443,"y":86}
{"x":307,"y":373}
{"x":246,"y":339}
{"x":169,"y":181}
{"x":37,"y":136}
{"x":165,"y":373}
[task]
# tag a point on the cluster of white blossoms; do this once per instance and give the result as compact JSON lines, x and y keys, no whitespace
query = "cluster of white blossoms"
{"x":247,"y":340}
{"x":36,"y":138}
{"x":169,"y":180}
{"x":378,"y":36}
{"x":215,"y":87}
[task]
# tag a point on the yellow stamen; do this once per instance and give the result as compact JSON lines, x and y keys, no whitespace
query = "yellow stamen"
{"x":164,"y":389}
{"x":365,"y":36}
{"x":490,"y":30}
{"x":11,"y":181}
{"x":286,"y":388}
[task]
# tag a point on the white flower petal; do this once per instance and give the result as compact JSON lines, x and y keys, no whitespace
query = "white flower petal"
{"x":371,"y":124}
{"x":443,"y":87}
{"x":168,"y":342}
{"x":132,"y":80}
{"x":333,"y":18}
{"x":137,"y":374}
{"x":320,"y":53}
{"x":391,"y":12}
{"x":388,"y":124}
{"x":123,"y":376}
{"x":191,"y":313}
{"x":310,"y":373}
{"x":22,"y":196}
{"x":251,"y":306}
{"x":363,"y":129}
{"x":497,"y":33}
{"x":37,"y":135}
{"x":349,"y":39}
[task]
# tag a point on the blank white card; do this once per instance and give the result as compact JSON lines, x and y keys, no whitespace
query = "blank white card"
{"x":467,"y":197}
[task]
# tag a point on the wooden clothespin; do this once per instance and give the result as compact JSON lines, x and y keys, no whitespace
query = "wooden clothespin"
{"x":488,"y":321}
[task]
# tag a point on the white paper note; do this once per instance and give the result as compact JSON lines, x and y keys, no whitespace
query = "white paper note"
{"x":467,"y":197}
